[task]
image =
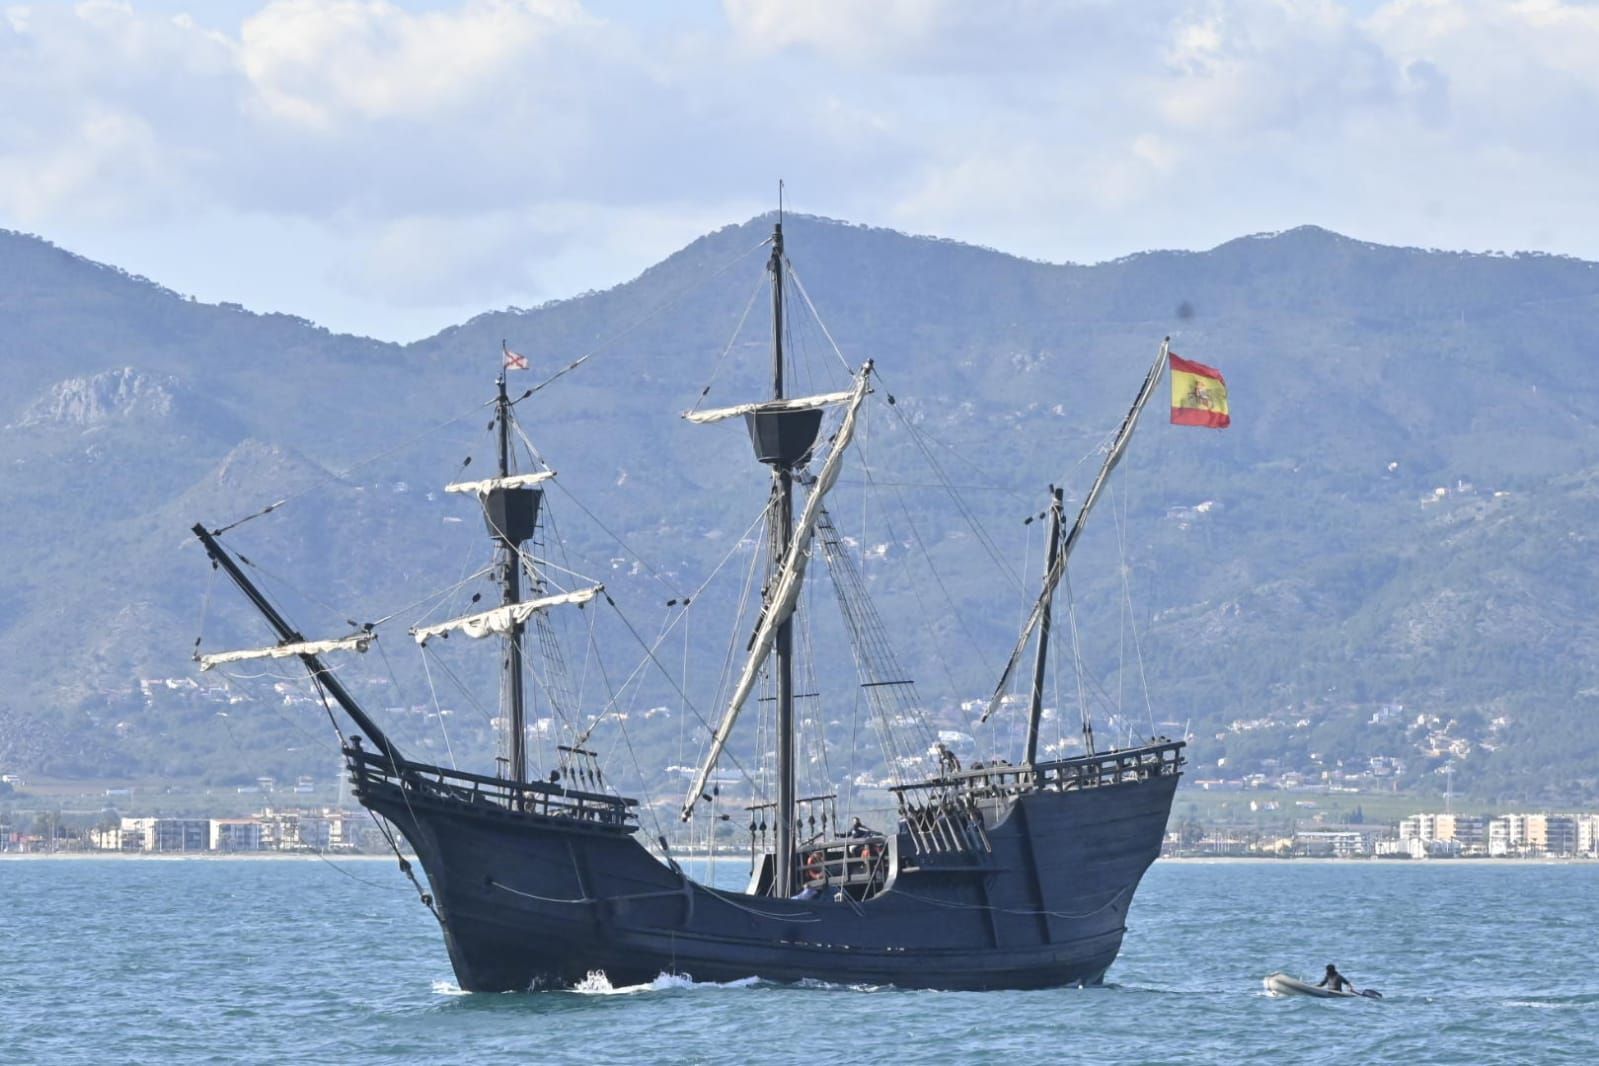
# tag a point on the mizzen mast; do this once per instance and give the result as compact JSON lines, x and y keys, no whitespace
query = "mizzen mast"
{"x":1057,"y":568}
{"x":1035,"y":710}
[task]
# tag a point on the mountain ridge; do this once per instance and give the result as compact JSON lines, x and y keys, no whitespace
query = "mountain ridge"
{"x":1365,"y":381}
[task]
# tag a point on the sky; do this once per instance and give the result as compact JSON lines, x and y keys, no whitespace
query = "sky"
{"x":393,"y":168}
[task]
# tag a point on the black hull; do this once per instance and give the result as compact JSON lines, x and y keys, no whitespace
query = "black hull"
{"x":531,"y":902}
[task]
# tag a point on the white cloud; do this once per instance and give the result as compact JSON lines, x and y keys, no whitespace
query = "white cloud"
{"x":1267,"y":65}
{"x":327,"y":65}
{"x":952,"y":37}
{"x":105,"y":113}
{"x":426,"y":153}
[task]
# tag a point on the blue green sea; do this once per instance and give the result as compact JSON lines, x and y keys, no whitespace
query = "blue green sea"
{"x":310,"y":961}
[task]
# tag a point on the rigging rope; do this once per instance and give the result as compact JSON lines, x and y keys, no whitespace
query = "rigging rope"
{"x":889,"y":692}
{"x":627,"y":740}
{"x":658,"y":309}
{"x":760,"y":283}
{"x":1077,"y":659}
{"x":1132,"y":621}
{"x":800,"y":285}
{"x":405,"y":865}
{"x":437,"y":710}
{"x":650,"y":652}
{"x":653,"y":572}
{"x":687,"y":602}
{"x":919,"y":439}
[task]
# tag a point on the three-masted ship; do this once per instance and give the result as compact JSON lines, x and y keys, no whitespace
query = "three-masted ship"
{"x":1005,"y":875}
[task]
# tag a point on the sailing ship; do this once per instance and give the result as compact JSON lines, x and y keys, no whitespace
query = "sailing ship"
{"x":1004,"y":875}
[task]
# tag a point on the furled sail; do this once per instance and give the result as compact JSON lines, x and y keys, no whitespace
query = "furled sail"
{"x":1052,"y":578}
{"x":488,"y":484}
{"x":799,"y":403}
{"x":357,"y":642}
{"x":502,"y":620}
{"x":786,"y":589}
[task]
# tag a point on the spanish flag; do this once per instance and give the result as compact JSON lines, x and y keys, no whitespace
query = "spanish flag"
{"x":1198,"y":395}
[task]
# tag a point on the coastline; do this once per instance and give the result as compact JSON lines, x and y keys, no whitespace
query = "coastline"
{"x":1177,"y":860}
{"x":194,"y":856}
{"x":1322,"y":860}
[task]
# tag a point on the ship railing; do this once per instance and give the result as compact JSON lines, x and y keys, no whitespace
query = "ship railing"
{"x":538,"y":798}
{"x":1003,"y":780}
{"x":1161,"y":758}
{"x":950,"y":813}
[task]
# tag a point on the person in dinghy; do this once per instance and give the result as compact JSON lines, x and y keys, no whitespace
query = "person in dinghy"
{"x":1336,"y":981}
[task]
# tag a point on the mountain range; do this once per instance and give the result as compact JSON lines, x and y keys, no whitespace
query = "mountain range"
{"x":1381,"y":571}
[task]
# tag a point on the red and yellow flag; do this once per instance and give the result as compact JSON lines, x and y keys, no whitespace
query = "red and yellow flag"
{"x":1198,"y":395}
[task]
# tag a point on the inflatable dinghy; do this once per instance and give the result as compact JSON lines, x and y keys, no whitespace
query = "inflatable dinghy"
{"x":1281,"y":984}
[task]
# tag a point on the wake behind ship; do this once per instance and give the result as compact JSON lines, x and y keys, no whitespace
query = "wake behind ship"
{"x":980,"y":876}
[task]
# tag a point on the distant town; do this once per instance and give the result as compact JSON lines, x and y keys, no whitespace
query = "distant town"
{"x":1420,"y":836}
{"x":283,"y":831}
{"x":335,"y":830}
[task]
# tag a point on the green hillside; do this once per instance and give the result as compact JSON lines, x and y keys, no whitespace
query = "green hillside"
{"x":1380,"y":570}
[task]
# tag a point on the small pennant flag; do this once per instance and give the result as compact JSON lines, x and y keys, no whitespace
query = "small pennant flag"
{"x":513,"y":361}
{"x":1198,"y":395}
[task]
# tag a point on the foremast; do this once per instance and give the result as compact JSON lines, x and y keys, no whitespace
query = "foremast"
{"x":509,"y":563}
{"x":292,"y":642}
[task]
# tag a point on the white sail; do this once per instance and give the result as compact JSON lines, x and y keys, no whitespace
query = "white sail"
{"x":799,"y":403}
{"x":502,"y":620}
{"x":358,"y":642}
{"x":786,"y":589}
{"x":1052,"y":578}
{"x":514,"y":481}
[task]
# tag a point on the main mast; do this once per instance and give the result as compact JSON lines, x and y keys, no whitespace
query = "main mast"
{"x":783,"y":431}
{"x":510,"y":563}
{"x":783,"y":644}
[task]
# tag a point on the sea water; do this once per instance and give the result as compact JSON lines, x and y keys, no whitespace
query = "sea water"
{"x":305,"y":960}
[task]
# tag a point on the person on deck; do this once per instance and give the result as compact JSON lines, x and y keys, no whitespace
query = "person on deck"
{"x":1335,"y":980}
{"x":948,"y":762}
